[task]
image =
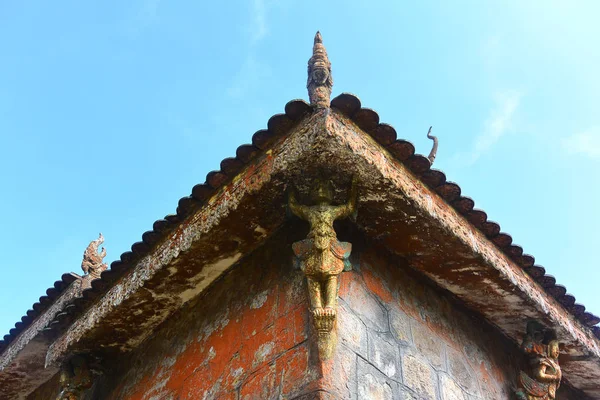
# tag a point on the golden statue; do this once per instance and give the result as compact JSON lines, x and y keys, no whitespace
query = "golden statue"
{"x":75,"y":378}
{"x":546,"y":374}
{"x":322,"y":257}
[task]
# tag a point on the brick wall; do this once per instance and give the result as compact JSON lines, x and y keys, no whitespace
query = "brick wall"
{"x":247,"y":337}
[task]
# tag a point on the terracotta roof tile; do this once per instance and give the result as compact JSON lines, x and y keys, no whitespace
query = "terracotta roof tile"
{"x":39,"y":307}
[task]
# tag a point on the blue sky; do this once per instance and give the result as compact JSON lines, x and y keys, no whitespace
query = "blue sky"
{"x":112,"y":111}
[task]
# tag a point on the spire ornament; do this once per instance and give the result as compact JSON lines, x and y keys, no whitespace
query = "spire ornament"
{"x":320,"y":80}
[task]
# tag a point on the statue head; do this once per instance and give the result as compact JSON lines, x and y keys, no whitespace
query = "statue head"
{"x":553,"y":349}
{"x":322,"y":192}
{"x":535,"y":331}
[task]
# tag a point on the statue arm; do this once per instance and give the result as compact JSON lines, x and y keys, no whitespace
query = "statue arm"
{"x":298,"y":209}
{"x":350,"y":207}
{"x":542,"y":375}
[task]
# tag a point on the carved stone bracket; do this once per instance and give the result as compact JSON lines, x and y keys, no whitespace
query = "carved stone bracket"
{"x":322,"y":258}
{"x":75,"y":379}
{"x":542,"y":348}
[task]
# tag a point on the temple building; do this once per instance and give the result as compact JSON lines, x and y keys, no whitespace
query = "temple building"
{"x":326,"y":260}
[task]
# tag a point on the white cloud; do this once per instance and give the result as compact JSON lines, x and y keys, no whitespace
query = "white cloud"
{"x":586,"y":143}
{"x":496,"y":125}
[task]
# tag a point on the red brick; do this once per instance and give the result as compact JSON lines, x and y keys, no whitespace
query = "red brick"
{"x":225,"y":343}
{"x":258,"y":314}
{"x":292,"y":367}
{"x":196,"y":384}
{"x":292,"y":294}
{"x":258,"y":349}
{"x":261,"y":385}
{"x":186,"y":363}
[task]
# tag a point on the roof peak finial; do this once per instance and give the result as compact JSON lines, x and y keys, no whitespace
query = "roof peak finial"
{"x":318,"y":37}
{"x":320,"y":80}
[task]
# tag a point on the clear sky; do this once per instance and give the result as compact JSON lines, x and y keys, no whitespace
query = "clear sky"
{"x":110,"y":111}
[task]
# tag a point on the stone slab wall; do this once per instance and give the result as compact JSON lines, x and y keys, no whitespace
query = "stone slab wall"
{"x":248,"y":337}
{"x":408,"y":341}
{"x":401,"y":338}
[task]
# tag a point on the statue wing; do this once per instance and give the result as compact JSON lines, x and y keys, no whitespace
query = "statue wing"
{"x":302,"y":250}
{"x":532,"y":386}
{"x":342,"y":250}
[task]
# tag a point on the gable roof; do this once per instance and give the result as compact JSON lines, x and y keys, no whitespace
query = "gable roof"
{"x":279,"y":125}
{"x":278,"y":128}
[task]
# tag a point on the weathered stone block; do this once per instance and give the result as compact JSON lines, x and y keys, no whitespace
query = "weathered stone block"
{"x":371,"y":312}
{"x":407,"y":394}
{"x":377,"y":285}
{"x":400,"y":326}
{"x":450,"y":389}
{"x":372,"y":384}
{"x":428,"y":344}
{"x":340,"y":373}
{"x":351,"y":330}
{"x":461,"y":372}
{"x":419,"y":377}
{"x":384,"y":354}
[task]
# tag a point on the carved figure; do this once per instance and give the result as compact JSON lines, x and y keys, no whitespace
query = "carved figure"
{"x":544,"y":382}
{"x":92,"y":263}
{"x":75,"y":379}
{"x":532,"y":342}
{"x":321,"y":256}
{"x":320,"y":80}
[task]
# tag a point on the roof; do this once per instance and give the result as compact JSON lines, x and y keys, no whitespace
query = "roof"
{"x":278,"y":127}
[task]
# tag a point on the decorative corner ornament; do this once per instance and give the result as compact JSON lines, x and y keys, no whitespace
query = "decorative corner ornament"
{"x":320,"y":80}
{"x":322,"y":258}
{"x":433,"y":152}
{"x":93,"y":261}
{"x":75,"y":379}
{"x":543,"y":359}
